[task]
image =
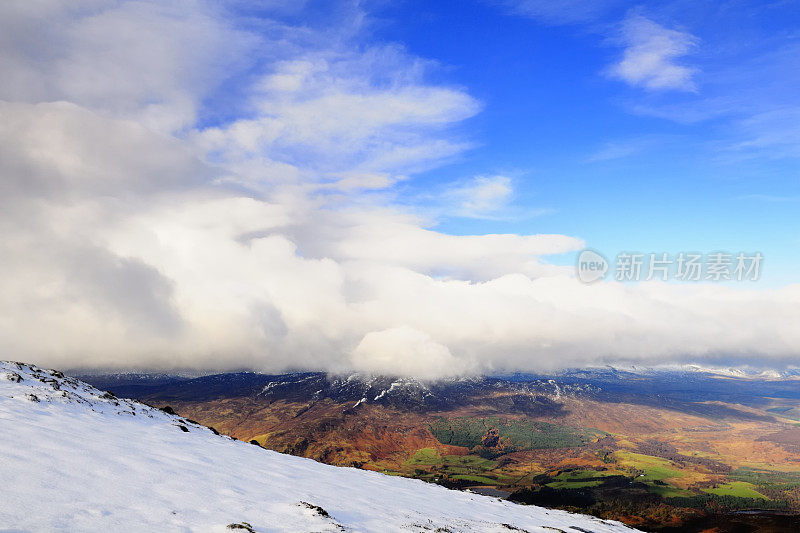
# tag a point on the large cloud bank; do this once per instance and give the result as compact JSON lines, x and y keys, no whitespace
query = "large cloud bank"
{"x":184,"y":186}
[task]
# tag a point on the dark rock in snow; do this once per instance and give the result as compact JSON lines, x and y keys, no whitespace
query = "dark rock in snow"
{"x":242,"y":525}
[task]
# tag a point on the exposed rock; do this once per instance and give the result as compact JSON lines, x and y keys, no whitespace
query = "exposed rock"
{"x":242,"y":525}
{"x":319,"y":510}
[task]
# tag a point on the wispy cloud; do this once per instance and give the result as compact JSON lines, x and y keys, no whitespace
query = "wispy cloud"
{"x":619,"y":149}
{"x":774,"y":132}
{"x":651,"y":56}
{"x":564,"y":12}
{"x":482,"y":196}
{"x":325,"y":112}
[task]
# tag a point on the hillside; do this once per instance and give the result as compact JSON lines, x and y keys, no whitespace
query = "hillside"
{"x":77,"y":459}
{"x":670,"y":449}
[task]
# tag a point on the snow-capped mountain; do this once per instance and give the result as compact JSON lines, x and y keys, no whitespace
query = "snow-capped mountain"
{"x":740,"y":372}
{"x":75,"y":458}
{"x":353,"y":389}
{"x":745,"y":372}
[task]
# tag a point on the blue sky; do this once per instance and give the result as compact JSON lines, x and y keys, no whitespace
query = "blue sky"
{"x":393,"y":187}
{"x":624,"y":166}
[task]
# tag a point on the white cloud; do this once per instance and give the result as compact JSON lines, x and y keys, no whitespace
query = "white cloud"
{"x":386,"y":236}
{"x":326,"y":113}
{"x":482,"y":195}
{"x":254,"y":244}
{"x":406,"y":351}
{"x":651,"y":55}
{"x":153,"y":61}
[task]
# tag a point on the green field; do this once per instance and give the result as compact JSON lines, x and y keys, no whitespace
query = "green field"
{"x":425,"y":456}
{"x":650,"y":468}
{"x":471,"y":468}
{"x":432,"y":457}
{"x":738,"y":489}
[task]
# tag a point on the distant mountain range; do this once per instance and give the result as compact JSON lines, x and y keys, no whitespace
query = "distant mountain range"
{"x":665,"y":386}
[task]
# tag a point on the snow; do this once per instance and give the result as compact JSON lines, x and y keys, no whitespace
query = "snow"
{"x":75,"y":459}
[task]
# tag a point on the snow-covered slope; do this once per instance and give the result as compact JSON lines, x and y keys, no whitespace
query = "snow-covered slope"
{"x":73,"y":458}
